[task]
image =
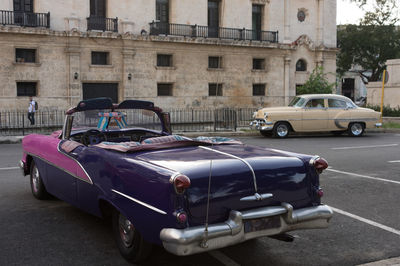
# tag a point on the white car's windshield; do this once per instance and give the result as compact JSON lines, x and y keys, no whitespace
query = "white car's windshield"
{"x":297,"y":102}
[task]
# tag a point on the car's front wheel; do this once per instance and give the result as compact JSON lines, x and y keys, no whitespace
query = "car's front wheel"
{"x":129,"y":241}
{"x":37,"y":186}
{"x":281,"y":130}
{"x":356,"y":129}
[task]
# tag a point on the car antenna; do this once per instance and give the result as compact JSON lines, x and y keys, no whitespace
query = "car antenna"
{"x":204,"y":242}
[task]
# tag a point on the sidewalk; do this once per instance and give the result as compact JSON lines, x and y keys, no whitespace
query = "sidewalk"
{"x":18,"y":139}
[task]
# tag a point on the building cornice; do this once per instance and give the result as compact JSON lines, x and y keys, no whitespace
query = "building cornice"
{"x":303,"y":40}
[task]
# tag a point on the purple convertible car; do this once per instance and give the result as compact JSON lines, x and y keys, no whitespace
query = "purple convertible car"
{"x":188,"y":195}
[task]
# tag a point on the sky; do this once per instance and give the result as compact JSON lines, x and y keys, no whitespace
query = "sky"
{"x":348,"y":13}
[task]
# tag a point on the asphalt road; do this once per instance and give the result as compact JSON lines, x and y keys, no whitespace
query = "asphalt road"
{"x":363,"y":185}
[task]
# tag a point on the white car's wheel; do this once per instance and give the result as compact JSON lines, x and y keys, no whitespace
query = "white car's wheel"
{"x":356,"y":129}
{"x":281,"y":130}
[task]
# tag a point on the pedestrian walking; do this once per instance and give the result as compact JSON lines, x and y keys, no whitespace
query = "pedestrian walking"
{"x":31,"y":110}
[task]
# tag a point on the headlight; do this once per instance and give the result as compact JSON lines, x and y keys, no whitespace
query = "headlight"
{"x":265,"y":115}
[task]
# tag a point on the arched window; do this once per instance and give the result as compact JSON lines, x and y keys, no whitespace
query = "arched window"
{"x":301,"y":65}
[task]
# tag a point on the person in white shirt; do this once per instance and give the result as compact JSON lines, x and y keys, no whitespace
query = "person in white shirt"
{"x":31,"y":111}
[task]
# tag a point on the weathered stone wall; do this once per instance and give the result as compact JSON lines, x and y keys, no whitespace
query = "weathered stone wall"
{"x":59,"y":57}
{"x":392,"y":88}
{"x":135,"y":15}
{"x":65,"y":49}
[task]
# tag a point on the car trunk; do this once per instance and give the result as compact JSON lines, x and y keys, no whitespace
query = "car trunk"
{"x":280,"y":174}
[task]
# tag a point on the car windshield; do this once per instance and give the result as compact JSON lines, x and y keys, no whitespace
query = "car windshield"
{"x":117,"y":119}
{"x":297,"y":102}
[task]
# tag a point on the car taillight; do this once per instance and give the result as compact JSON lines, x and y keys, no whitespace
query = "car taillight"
{"x":320,"y":192}
{"x":181,"y":217}
{"x":180,"y":183}
{"x":320,"y":164}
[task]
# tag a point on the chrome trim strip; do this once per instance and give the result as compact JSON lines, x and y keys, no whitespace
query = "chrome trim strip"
{"x":60,"y":168}
{"x":140,"y":202}
{"x":233,"y":156}
{"x":21,"y":165}
{"x":72,"y":158}
{"x":257,"y":197}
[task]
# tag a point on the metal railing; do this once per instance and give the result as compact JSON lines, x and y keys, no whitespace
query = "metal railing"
{"x":161,"y":28}
{"x":182,"y":120}
{"x":102,"y":23}
{"x":26,"y":19}
{"x":17,"y":123}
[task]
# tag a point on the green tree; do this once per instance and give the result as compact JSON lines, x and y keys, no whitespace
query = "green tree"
{"x":368,"y":46}
{"x":371,"y":43}
{"x":317,"y":83}
{"x":384,"y":12}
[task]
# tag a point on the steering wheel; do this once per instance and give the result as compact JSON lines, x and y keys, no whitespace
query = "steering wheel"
{"x":92,"y":137}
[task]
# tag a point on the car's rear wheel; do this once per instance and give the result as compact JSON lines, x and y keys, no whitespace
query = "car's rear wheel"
{"x":37,"y":186}
{"x":356,"y":129}
{"x":281,"y":130}
{"x":129,"y":241}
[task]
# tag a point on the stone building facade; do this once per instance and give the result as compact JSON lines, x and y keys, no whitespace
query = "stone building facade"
{"x":391,"y":93}
{"x":191,"y":53}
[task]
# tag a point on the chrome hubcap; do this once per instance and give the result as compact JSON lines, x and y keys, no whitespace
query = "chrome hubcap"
{"x":126,"y":231}
{"x":282,"y":130}
{"x":356,"y":129}
{"x":35,"y":179}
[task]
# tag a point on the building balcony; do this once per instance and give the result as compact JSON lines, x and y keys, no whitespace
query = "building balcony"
{"x":24,"y":19}
{"x":159,"y":28}
{"x":102,"y":24}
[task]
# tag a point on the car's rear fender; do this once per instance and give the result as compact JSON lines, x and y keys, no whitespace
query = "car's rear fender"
{"x":137,"y":189}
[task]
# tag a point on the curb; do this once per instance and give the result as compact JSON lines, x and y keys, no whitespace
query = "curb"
{"x":11,"y":139}
{"x":18,"y":139}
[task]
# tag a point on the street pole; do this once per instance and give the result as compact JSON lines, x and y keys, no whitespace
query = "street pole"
{"x":383,"y":93}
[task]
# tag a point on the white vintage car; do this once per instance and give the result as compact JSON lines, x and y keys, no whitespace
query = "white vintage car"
{"x":316,"y":113}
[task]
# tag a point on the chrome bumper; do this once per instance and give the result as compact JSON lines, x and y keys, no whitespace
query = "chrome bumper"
{"x":194,"y":240}
{"x":21,"y":165}
{"x":262,"y":125}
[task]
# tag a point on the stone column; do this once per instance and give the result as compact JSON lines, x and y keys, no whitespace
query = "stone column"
{"x":287,"y":80}
{"x":320,"y":22}
{"x":74,"y":86}
{"x":127,"y":73}
{"x":286,"y":38}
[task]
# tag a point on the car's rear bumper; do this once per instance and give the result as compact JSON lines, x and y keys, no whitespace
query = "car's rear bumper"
{"x":195,"y":240}
{"x":262,"y":125}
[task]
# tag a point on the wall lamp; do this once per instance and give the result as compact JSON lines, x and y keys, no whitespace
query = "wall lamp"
{"x":129,"y":76}
{"x":76,"y":75}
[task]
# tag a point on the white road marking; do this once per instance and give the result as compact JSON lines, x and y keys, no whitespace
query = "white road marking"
{"x":392,"y":262}
{"x":221,"y":257}
{"x":9,"y":168}
{"x":367,"y":221}
{"x":363,"y":176}
{"x":398,"y":161}
{"x":364,"y":147}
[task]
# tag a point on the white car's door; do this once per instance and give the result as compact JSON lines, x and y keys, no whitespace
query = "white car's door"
{"x":315,"y":115}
